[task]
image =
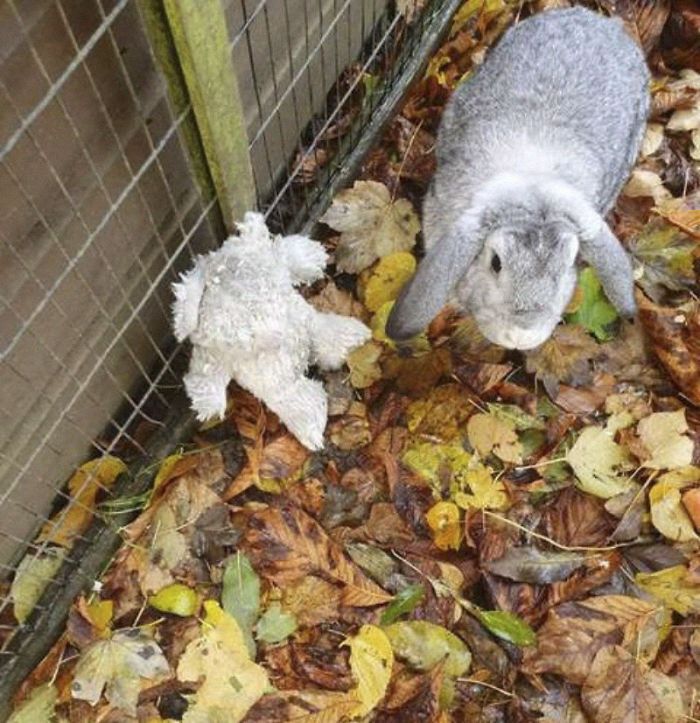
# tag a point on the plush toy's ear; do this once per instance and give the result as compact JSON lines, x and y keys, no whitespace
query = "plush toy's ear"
{"x":427,"y":292}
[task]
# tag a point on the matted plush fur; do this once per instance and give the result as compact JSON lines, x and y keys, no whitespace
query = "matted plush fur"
{"x":531,"y":154}
{"x":246,"y":321}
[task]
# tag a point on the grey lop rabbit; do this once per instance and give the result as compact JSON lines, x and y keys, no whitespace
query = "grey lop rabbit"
{"x":531,"y":154}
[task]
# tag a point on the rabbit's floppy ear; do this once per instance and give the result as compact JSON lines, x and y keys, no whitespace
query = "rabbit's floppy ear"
{"x":605,"y":254}
{"x":441,"y":268}
{"x":600,"y":248}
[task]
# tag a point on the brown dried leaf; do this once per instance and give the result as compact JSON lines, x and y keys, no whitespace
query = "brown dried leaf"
{"x":564,"y":357}
{"x":286,"y":544}
{"x":672,"y":335}
{"x":312,"y":600}
{"x":577,"y":520}
{"x":620,"y":688}
{"x":333,"y":300}
{"x":574,"y":632}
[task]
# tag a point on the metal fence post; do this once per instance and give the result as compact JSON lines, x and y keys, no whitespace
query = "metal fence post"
{"x":190,"y":39}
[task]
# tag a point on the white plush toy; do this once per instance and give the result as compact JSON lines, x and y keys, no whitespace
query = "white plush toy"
{"x":239,"y":308}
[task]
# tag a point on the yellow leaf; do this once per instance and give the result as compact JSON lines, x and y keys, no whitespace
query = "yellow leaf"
{"x":486,"y":493}
{"x":32,"y":576}
{"x":372,"y":225}
{"x":663,"y":435}
{"x":488,"y":433}
{"x":668,"y":514}
{"x":101,"y":613}
{"x":442,"y":413}
{"x":165,"y":469}
{"x":363,"y":363}
{"x":386,"y":279}
{"x":599,"y":464}
{"x":424,"y":645}
{"x":371,"y":662}
{"x":672,"y":588}
{"x":436,"y":462}
{"x":378,"y":323}
{"x":83,"y":487}
{"x":443,"y":520}
{"x":230,"y":682}
{"x":176,"y":599}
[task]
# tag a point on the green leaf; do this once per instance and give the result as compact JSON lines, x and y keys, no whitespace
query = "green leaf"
{"x":595,"y":312}
{"x":531,"y":440}
{"x":240,"y":596}
{"x":515,"y":416}
{"x":275,"y":625}
{"x":666,"y":255}
{"x":176,"y":599}
{"x":423,"y":645}
{"x":404,"y":602}
{"x":31,"y":578}
{"x":508,"y":627}
{"x":38,"y":707}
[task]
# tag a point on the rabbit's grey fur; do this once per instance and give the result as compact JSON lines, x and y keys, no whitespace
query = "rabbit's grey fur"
{"x":531,"y":154}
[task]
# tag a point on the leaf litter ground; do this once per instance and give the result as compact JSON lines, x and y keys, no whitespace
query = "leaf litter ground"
{"x":486,"y":536}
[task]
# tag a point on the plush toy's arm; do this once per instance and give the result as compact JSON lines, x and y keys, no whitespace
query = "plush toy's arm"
{"x":188,"y":295}
{"x":305,"y":259}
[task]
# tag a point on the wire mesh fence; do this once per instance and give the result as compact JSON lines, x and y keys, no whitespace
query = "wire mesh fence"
{"x":102,"y":209}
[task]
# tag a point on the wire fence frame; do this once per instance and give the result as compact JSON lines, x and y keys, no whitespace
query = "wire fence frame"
{"x":300,"y":114}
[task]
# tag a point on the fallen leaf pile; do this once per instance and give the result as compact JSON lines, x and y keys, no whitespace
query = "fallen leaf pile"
{"x":486,"y":536}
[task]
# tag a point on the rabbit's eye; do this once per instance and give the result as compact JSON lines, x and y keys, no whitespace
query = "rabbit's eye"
{"x":496,"y":263}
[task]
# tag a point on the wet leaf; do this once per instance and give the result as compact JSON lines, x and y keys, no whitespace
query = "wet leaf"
{"x":386,"y":279}
{"x":275,"y":625}
{"x":230,"y":682}
{"x":594,"y":313}
{"x":564,"y":357}
{"x":372,"y":225}
{"x":666,"y":256}
{"x":312,"y":600}
{"x":663,"y":435}
{"x":38,"y":707}
{"x":423,"y":645}
{"x":371,"y":661}
{"x":668,"y":513}
{"x":574,"y":632}
{"x":484,"y":491}
{"x":619,"y":688}
{"x":403,"y":603}
{"x":441,"y":414}
{"x":672,"y":587}
{"x":240,"y":596}
{"x":516,"y":417}
{"x":508,"y":626}
{"x":671,"y":333}
{"x":116,"y":666}
{"x":32,"y":576}
{"x":600,"y":464}
{"x":488,"y":433}
{"x":443,"y":520}
{"x":84,"y":486}
{"x":529,"y":564}
{"x":363,"y":363}
{"x":176,"y":599}
{"x":286,"y":545}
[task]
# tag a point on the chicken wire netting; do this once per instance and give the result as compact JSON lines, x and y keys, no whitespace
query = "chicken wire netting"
{"x":101,"y":211}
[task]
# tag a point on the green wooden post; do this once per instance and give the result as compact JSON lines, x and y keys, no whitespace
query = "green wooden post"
{"x":191,"y":41}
